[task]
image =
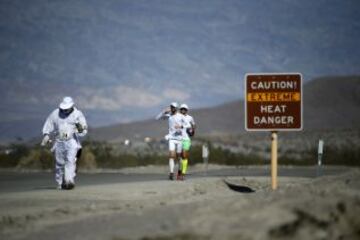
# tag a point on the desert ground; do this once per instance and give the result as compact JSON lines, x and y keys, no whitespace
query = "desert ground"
{"x":227,"y":203}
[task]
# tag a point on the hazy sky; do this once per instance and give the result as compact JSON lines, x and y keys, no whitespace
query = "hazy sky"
{"x":125,"y":60}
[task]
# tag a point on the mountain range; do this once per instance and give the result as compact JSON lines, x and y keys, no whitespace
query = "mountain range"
{"x":330,"y":103}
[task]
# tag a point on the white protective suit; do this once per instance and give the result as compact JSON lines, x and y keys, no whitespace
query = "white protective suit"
{"x":66,"y":142}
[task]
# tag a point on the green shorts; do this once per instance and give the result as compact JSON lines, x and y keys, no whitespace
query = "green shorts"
{"x":186,"y":144}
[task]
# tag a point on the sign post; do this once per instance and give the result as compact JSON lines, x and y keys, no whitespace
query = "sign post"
{"x":273,"y":102}
{"x":320,"y":154}
{"x":274,"y":160}
{"x":205,"y":156}
{"x":320,"y":151}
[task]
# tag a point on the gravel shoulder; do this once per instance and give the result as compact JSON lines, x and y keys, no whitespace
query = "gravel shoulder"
{"x":327,"y":207}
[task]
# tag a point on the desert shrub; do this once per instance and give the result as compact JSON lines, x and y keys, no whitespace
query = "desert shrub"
{"x":349,"y":156}
{"x":87,"y":160}
{"x":16,"y":152}
{"x":346,"y":156}
{"x":305,"y":160}
{"x":7,"y":162}
{"x":219,"y":155}
{"x":105,"y":155}
{"x":37,"y":158}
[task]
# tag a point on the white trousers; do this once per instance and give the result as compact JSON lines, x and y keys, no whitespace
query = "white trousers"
{"x":65,"y":166}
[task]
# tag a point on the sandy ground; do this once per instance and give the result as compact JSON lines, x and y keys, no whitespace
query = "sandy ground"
{"x":201,"y":208}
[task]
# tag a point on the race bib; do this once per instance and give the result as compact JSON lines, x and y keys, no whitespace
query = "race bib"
{"x":64,"y":136}
{"x":66,"y":131}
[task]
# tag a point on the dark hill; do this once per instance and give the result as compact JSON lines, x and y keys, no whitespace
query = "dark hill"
{"x":329,"y":103}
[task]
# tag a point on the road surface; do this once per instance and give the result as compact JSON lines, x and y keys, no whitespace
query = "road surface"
{"x":11,"y":181}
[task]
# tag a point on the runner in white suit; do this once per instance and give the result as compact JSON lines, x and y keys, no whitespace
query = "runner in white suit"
{"x":177,"y":123}
{"x":66,"y":124}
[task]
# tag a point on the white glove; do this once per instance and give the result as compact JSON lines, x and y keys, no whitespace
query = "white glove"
{"x":45,"y":140}
{"x":167,"y":137}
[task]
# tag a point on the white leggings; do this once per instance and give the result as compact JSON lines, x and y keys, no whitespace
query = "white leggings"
{"x":65,"y":154}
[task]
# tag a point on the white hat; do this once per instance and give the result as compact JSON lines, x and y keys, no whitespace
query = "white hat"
{"x":184,"y":106}
{"x":174,"y":104}
{"x":67,"y":103}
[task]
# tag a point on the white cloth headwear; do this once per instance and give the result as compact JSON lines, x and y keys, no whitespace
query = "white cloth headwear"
{"x":174,"y":104}
{"x":184,"y":106}
{"x":67,"y":103}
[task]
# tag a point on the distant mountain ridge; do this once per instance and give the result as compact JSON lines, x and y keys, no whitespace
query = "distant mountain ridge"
{"x":329,"y":103}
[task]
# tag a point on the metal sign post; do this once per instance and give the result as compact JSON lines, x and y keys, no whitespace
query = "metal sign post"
{"x":273,"y":102}
{"x":205,"y":156}
{"x":274,"y":160}
{"x":320,"y":154}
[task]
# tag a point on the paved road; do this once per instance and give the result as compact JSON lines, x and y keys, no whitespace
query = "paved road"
{"x":17,"y":181}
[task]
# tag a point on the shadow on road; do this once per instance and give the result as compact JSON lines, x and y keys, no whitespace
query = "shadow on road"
{"x":239,"y":188}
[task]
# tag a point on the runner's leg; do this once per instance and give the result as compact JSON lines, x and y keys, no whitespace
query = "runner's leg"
{"x":172,"y":155}
{"x":186,"y":149}
{"x":59,"y":165}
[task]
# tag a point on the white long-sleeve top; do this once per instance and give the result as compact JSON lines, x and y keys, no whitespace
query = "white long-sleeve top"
{"x":177,"y":123}
{"x":190,"y":123}
{"x":64,"y":128}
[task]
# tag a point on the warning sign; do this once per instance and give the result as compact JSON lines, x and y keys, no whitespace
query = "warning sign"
{"x":273,"y":102}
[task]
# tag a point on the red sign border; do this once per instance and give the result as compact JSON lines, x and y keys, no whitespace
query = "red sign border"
{"x":269,"y":129}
